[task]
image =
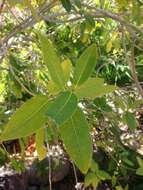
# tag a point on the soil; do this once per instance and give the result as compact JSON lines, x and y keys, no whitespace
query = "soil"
{"x":31,"y":180}
{"x":62,"y":178}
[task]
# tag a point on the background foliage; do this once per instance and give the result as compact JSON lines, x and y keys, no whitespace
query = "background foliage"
{"x":73,"y":70}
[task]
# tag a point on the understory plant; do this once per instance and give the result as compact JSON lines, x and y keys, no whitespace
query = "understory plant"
{"x":62,"y":105}
{"x":59,"y":62}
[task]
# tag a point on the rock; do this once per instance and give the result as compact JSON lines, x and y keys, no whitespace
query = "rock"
{"x":35,"y":177}
{"x":14,"y":181}
{"x":38,"y":173}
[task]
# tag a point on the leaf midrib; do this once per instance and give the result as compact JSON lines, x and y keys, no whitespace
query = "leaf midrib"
{"x":64,"y":104}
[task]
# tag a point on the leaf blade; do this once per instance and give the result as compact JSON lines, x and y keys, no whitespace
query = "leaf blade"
{"x":76,"y":137}
{"x":85,"y":65}
{"x":27,"y":119}
{"x":94,"y":87}
{"x":91,"y":179}
{"x":130,"y":120}
{"x":67,"y":5}
{"x":63,"y":107}
{"x":139,"y":171}
{"x":52,"y":61}
{"x":41,"y":150}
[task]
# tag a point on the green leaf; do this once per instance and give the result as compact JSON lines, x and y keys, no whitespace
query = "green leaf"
{"x":41,"y":149}
{"x":53,"y":88}
{"x":67,"y":67}
{"x":100,"y":103}
{"x":140,"y":162}
{"x":119,"y":103}
{"x":139,"y":171}
{"x":94,"y":166}
{"x":114,"y":180}
{"x":103,"y":175}
{"x":30,"y":117}
{"x":90,"y":20}
{"x":94,"y":87}
{"x":109,"y":46}
{"x":76,"y":137}
{"x":52,"y":61}
{"x":67,"y":5}
{"x":85,"y":65}
{"x":119,"y":188}
{"x":63,"y":107}
{"x":51,"y":133}
{"x":77,"y":3}
{"x":15,"y":88}
{"x":91,"y":179}
{"x":127,"y":161}
{"x":17,"y":165}
{"x":127,"y":187}
{"x":130,"y":120}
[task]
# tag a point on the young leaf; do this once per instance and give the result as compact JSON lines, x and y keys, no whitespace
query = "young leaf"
{"x":91,"y":179}
{"x":30,"y":117}
{"x":140,"y":162}
{"x":119,"y":188}
{"x":94,"y":87}
{"x":114,"y":180}
{"x":41,"y":150}
{"x":139,"y":171}
{"x":63,"y":107}
{"x":127,"y":161}
{"x":127,"y":187}
{"x":52,"y":61}
{"x":85,"y":65}
{"x":130,"y":120}
{"x":94,"y":166}
{"x":103,"y":175}
{"x":76,"y":137}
